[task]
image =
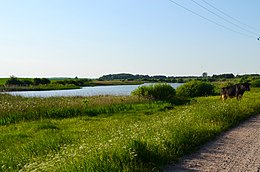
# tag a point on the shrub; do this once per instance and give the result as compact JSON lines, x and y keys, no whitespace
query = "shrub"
{"x":13,"y":81}
{"x":43,"y":81}
{"x":256,"y":83}
{"x":161,"y":92}
{"x":26,"y":82}
{"x":195,"y":89}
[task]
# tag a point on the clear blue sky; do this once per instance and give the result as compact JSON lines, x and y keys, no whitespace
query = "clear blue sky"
{"x":90,"y":38}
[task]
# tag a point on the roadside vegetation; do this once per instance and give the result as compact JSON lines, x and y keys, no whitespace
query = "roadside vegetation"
{"x":113,"y":133}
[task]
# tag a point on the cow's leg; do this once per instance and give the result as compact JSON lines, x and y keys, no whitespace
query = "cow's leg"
{"x":223,"y":97}
{"x":239,"y":97}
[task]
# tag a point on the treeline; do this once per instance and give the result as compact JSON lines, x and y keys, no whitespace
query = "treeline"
{"x":227,"y":76}
{"x":131,"y":77}
{"x":14,"y":81}
{"x":178,"y":79}
{"x":76,"y":81}
{"x":38,"y":84}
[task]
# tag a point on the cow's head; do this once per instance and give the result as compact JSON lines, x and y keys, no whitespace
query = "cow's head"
{"x":246,"y":86}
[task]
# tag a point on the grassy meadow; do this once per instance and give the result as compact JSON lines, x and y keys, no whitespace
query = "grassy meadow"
{"x":3,"y":80}
{"x":110,"y":133}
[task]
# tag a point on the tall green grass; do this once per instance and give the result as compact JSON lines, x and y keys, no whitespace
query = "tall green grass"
{"x":141,"y":138}
{"x":14,"y":109}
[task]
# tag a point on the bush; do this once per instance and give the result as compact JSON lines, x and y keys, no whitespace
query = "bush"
{"x":161,"y":92}
{"x":39,"y":81}
{"x":256,"y":83}
{"x":195,"y":89}
{"x":13,"y":81}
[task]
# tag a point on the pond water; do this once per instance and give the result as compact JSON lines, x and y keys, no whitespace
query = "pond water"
{"x":85,"y":91}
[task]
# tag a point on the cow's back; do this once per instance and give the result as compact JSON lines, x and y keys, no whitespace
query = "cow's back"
{"x":229,"y":91}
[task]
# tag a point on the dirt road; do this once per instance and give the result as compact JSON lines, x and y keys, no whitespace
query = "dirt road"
{"x":237,"y":150}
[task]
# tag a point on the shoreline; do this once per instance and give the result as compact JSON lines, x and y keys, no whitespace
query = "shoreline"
{"x":53,"y":87}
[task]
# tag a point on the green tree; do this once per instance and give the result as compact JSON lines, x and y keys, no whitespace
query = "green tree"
{"x":204,"y":74}
{"x":43,"y":81}
{"x":13,"y":81}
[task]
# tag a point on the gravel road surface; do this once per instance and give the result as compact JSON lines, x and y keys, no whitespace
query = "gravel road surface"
{"x":237,"y":150}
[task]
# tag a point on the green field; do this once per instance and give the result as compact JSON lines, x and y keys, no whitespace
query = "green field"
{"x":3,"y":80}
{"x":108,"y":133}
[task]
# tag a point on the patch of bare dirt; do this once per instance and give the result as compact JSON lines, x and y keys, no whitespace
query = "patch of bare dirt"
{"x":237,"y":150}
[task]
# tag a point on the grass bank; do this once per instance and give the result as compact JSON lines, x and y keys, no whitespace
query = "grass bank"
{"x":127,"y":134}
{"x":4,"y":88}
{"x":60,"y":84}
